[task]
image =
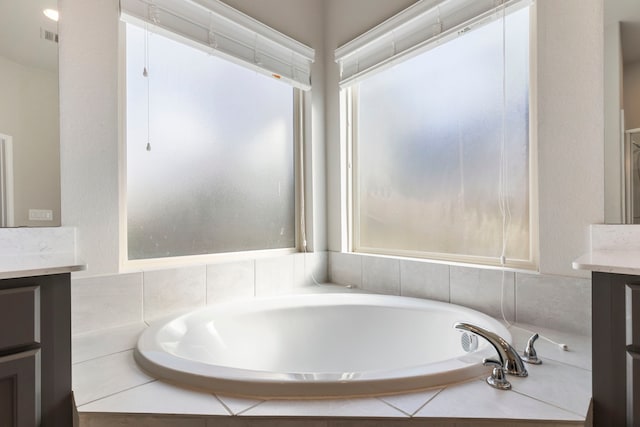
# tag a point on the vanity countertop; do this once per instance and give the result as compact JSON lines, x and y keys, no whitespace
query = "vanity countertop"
{"x":610,"y":261}
{"x":38,"y":264}
{"x":614,"y":249}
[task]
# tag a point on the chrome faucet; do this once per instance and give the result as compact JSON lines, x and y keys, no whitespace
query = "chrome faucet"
{"x":509,"y":357}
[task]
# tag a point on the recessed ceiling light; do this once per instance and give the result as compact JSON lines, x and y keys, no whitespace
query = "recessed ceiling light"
{"x":51,"y":14}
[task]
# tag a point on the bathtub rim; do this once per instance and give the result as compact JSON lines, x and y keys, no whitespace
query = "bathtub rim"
{"x":250,"y":383}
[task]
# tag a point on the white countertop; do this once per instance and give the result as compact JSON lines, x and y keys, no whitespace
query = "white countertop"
{"x":610,"y":261}
{"x":38,"y":264}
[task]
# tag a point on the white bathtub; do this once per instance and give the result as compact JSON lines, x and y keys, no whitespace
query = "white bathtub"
{"x":320,"y":345}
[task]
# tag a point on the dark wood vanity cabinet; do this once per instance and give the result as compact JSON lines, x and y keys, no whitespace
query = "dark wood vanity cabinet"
{"x":616,"y":349}
{"x":35,"y":351}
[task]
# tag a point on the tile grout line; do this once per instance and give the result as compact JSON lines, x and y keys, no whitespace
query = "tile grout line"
{"x":449,"y":282}
{"x":103,"y":356}
{"x":400,"y":278}
{"x":239,"y":413}
{"x":255,"y":278}
{"x":549,"y":404}
{"x":428,"y":401}
{"x":117,"y":392}
{"x":206,"y":285}
{"x":515,"y":297}
{"x":392,"y":406}
{"x":144,"y":319}
{"x":224,"y":405}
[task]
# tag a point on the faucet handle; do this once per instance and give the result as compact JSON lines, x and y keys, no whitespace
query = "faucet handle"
{"x":530,"y":355}
{"x":497,"y":379}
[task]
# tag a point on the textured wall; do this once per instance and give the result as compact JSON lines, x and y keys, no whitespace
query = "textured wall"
{"x":570,"y":129}
{"x":89,"y":128}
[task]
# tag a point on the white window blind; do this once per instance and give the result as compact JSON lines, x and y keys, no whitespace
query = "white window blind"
{"x":217,"y":28}
{"x":418,"y":28}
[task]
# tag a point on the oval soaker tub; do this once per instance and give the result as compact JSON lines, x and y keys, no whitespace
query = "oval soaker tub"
{"x":320,"y":345}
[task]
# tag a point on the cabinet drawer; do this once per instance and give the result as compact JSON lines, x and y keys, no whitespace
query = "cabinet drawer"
{"x":19,"y":317}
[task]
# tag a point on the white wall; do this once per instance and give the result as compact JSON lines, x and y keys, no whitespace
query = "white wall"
{"x":632,"y":95}
{"x":29,"y":113}
{"x":89,"y":128}
{"x":612,"y":135}
{"x":570,"y":120}
{"x":89,"y":118}
{"x":570,"y":129}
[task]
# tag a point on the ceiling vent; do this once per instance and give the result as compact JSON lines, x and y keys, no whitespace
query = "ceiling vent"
{"x":48,"y":35}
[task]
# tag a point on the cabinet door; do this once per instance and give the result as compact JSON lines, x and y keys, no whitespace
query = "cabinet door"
{"x":20,"y":317}
{"x":20,"y":389}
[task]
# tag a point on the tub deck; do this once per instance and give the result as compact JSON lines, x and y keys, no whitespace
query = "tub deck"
{"x":110,"y":390}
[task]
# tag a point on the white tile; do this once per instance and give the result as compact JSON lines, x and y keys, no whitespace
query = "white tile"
{"x":230,"y":281}
{"x":476,"y":399}
{"x":237,"y":405}
{"x":105,"y":302}
{"x":410,"y":403}
{"x":561,"y":385}
{"x":90,"y":345}
{"x":424,"y":280}
{"x":174,"y":290}
{"x":274,"y":276}
{"x":381,"y":275}
{"x":481,"y":289}
{"x":579,"y":346}
{"x":98,"y":378}
{"x":561,"y":303}
{"x":158,"y":397}
{"x":310,"y":268}
{"x":354,"y":407}
{"x":345,"y":269}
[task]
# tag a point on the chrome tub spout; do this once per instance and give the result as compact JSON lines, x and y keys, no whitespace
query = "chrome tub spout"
{"x":509,"y":357}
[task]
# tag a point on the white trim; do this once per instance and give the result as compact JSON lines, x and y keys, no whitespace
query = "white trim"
{"x":349,"y":108}
{"x":188,"y":260}
{"x":219,"y":29}
{"x":6,"y":146}
{"x":423,"y":26}
{"x":128,"y":265}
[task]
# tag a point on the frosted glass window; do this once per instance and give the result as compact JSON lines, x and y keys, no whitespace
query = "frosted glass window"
{"x":219,"y":172}
{"x":428,"y":148}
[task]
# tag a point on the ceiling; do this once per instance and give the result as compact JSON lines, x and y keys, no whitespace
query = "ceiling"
{"x":628,"y":13}
{"x":20,"y":41}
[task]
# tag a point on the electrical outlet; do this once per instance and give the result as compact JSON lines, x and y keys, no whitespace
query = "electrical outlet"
{"x":40,"y":215}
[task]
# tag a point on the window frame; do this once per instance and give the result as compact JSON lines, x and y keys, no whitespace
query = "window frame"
{"x":351,"y":234}
{"x":300,"y":100}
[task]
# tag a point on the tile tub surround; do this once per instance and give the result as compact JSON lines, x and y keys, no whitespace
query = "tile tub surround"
{"x":561,"y":303}
{"x":111,"y":390}
{"x":111,"y":301}
{"x":106,"y":345}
